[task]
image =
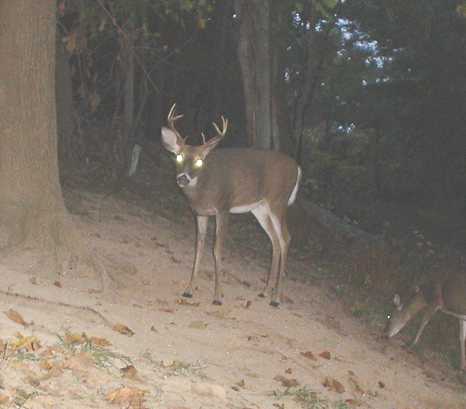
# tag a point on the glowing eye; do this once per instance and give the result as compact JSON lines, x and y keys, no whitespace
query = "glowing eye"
{"x":179,"y":158}
{"x":198,"y":163}
{"x":389,"y":316}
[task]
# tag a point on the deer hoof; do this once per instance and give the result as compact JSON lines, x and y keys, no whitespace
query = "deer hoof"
{"x":187,"y":294}
{"x":275,"y":304}
{"x":217,"y":302}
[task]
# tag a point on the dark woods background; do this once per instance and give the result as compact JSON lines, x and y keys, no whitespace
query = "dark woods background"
{"x":369,"y":96}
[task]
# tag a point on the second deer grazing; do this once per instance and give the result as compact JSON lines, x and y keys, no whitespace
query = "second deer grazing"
{"x":222,"y":181}
{"x":447,"y":296}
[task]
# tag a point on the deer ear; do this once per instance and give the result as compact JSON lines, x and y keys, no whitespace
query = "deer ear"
{"x":171,"y":141}
{"x":396,"y":300}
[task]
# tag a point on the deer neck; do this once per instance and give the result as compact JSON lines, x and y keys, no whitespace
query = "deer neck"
{"x":196,"y":195}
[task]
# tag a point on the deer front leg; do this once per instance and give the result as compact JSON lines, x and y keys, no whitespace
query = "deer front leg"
{"x":462,"y":346}
{"x":201,"y":229}
{"x":221,"y":221}
{"x":428,"y":314}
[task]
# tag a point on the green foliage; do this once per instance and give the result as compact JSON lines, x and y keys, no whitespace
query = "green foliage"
{"x":309,"y":399}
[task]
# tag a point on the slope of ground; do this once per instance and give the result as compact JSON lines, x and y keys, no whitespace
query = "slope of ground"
{"x":132,"y":342}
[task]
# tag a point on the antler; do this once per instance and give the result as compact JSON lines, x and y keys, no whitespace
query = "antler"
{"x":221,"y":133}
{"x":172,"y":118}
{"x":203,"y":138}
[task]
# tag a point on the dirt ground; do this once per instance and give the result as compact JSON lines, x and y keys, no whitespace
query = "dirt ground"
{"x":127,"y":339}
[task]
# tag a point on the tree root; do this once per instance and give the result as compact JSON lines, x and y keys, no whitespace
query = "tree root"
{"x":84,"y":308}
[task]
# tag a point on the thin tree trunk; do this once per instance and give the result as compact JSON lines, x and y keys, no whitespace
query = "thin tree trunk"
{"x":247,"y":62}
{"x":263,"y":69}
{"x":313,"y":73}
{"x":33,"y":218}
{"x":223,"y":17}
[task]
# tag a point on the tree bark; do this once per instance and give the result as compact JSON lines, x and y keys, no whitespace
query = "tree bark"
{"x":247,"y":62}
{"x":33,"y":217}
{"x":255,"y":57}
{"x":263,"y":69}
{"x":64,"y":103}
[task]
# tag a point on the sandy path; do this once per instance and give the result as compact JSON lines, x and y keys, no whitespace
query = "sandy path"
{"x":202,"y":356}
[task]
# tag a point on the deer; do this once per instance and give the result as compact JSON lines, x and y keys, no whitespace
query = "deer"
{"x":447,"y":296}
{"x":223,"y":181}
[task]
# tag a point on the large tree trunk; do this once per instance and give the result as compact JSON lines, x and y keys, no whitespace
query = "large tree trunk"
{"x":64,"y":101}
{"x":33,"y":218}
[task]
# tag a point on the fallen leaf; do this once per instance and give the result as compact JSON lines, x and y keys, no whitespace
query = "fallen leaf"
{"x":71,"y":338}
{"x":309,"y":355}
{"x":182,"y":301}
{"x":123,"y":329}
{"x":45,"y":365}
{"x":167,"y":363}
{"x":325,"y":355}
{"x":16,"y":317}
{"x":353,"y":402}
{"x":381,"y":385}
{"x":100,"y":342}
{"x":168,"y":310}
{"x":57,"y":284}
{"x":127,"y":397}
{"x":30,"y":344}
{"x":129,"y":372}
{"x":289,"y":371}
{"x":4,"y":399}
{"x":223,"y":314}
{"x":286,"y":382}
{"x":333,"y":385}
{"x":198,"y":325}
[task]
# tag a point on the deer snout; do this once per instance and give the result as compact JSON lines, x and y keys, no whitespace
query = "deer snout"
{"x":183,"y":179}
{"x":393,"y":327}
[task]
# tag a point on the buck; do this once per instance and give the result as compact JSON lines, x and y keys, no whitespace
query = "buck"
{"x":448,"y":296}
{"x":222,"y":181}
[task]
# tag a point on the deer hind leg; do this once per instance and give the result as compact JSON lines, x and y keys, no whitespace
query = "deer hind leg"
{"x":262,"y":214}
{"x":462,"y":346}
{"x":281,"y":228}
{"x":221,"y":222}
{"x":201,"y":229}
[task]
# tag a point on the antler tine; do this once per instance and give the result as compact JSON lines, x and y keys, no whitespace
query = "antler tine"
{"x":224,"y":127}
{"x":203,"y":138}
{"x":172,"y":117}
